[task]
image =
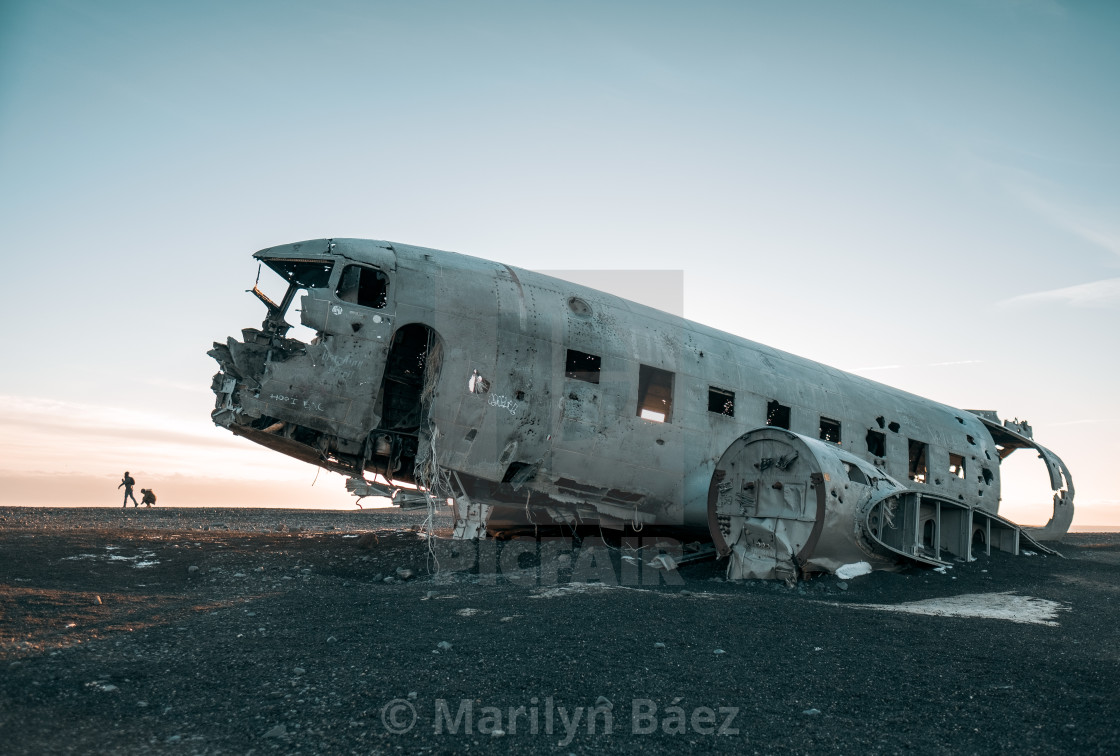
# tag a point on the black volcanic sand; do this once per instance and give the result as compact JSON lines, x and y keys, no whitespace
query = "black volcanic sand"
{"x":288,"y":638}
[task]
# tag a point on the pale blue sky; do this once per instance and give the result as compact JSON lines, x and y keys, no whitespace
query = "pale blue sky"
{"x":925,"y":193}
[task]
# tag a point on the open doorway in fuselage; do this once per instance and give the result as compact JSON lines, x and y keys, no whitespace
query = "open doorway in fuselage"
{"x":404,"y":402}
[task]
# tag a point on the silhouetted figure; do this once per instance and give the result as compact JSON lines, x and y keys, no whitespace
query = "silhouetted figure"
{"x":128,"y":483}
{"x":149,"y":497}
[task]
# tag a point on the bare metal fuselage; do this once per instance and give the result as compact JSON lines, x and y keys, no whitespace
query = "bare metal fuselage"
{"x":543,"y":401}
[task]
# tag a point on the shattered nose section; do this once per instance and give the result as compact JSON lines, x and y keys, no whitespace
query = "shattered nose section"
{"x":271,"y":390}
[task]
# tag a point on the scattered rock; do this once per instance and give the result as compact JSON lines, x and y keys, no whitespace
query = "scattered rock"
{"x":719,"y":651}
{"x":404,"y":573}
{"x":443,"y":646}
{"x":192,"y":569}
{"x":297,"y":671}
{"x":659,"y":644}
{"x":811,"y":712}
{"x":842,"y":585}
{"x":278,"y":731}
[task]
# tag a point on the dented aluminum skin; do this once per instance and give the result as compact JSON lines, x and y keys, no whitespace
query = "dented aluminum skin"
{"x":533,"y":401}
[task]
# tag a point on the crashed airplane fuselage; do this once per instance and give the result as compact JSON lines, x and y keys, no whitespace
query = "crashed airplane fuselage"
{"x":532,"y":401}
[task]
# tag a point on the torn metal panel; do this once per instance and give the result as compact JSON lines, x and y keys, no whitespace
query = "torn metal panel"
{"x":1012,"y":435}
{"x":532,"y":401}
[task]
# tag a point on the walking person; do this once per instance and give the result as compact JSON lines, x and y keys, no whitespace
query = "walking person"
{"x":128,"y":483}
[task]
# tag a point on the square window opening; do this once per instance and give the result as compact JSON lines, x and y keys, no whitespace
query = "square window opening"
{"x":777,"y":415}
{"x":655,"y":394}
{"x":918,"y":466}
{"x":956,"y":465}
{"x":581,"y":366}
{"x":721,"y":401}
{"x":830,"y":430}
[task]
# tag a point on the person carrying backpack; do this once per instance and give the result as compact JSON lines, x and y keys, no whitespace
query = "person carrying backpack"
{"x":128,"y":483}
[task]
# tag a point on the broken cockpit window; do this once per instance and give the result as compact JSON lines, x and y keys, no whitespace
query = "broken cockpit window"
{"x":721,"y":401}
{"x":305,"y":274}
{"x":299,"y":275}
{"x":919,"y":467}
{"x":655,"y":394}
{"x":366,"y":287}
{"x":581,"y":366}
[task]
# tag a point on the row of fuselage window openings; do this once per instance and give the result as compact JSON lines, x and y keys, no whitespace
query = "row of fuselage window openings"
{"x":655,"y":403}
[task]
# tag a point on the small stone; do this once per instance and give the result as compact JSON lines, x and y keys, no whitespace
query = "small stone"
{"x":239,"y":574}
{"x":142,"y":704}
{"x":412,"y":694}
{"x":719,"y":651}
{"x":378,"y":577}
{"x":811,"y":712}
{"x":404,"y":573}
{"x":659,"y":644}
{"x":174,"y":738}
{"x":390,"y":580}
{"x":497,"y":733}
{"x":842,"y":585}
{"x":443,"y":646}
{"x":331,"y":639}
{"x":278,"y":731}
{"x":297,"y":671}
{"x":686,"y":592}
{"x":192,"y":569}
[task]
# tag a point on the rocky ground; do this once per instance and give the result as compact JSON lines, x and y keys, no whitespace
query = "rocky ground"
{"x":259,"y":631}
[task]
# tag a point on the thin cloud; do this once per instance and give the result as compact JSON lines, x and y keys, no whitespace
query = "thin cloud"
{"x":874,"y":368}
{"x":951,"y":363}
{"x":1097,"y":228}
{"x":1093,"y":421}
{"x":34,"y":432}
{"x":1104,"y":293}
{"x":955,"y":362}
